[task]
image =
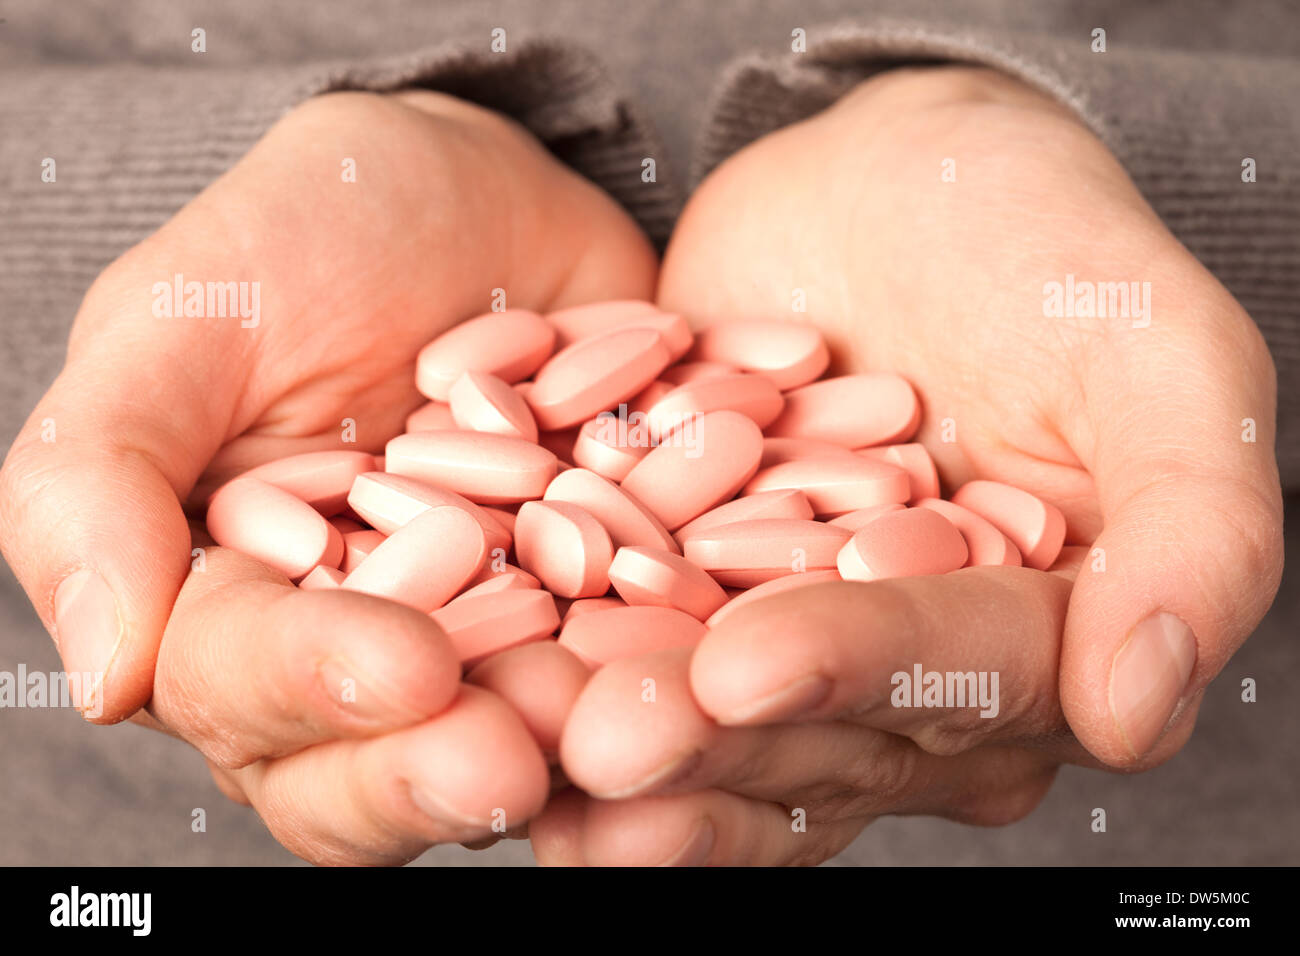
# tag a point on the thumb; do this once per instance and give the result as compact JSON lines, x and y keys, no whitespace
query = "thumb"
{"x":90,"y":514}
{"x":1190,"y":553}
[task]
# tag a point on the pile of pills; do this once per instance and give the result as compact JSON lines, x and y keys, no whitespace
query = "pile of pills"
{"x":603,"y":474}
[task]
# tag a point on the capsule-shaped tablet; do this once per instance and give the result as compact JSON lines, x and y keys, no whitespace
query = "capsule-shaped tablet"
{"x":565,"y":547}
{"x":274,"y":526}
{"x":600,"y":637}
{"x":836,"y":485}
{"x":588,"y":321}
{"x":387,"y":502}
{"x":320,"y":478}
{"x":357,"y":546}
{"x":777,"y":585}
{"x":595,"y":374}
{"x":856,"y":519}
{"x":494,"y":585}
{"x":502,"y":517}
{"x":481,"y":402}
{"x":483,"y":624}
{"x":346,"y":526}
{"x":754,"y":396}
{"x":424,"y":562}
{"x":603,"y":446}
{"x":639,"y":405}
{"x":684,"y":373}
{"x":701,"y":465}
{"x":629,"y":523}
{"x":747,"y":553}
{"x":781,"y":503}
{"x":587,"y":605}
{"x":487,"y":469}
{"x":877,"y":408}
{"x":652,"y":576}
{"x":1036,"y":528}
{"x":913,"y":459}
{"x":495,"y":570}
{"x":789,"y":354}
{"x":985,"y":544}
{"x":322,"y":578}
{"x":777,"y":451}
{"x":540,"y":681}
{"x":431,"y":417}
{"x":510,"y":345}
{"x":904,"y":544}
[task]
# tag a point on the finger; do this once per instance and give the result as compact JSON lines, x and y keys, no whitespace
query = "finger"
{"x":1190,"y":554}
{"x":541,"y":681}
{"x":469,"y":773}
{"x":251,"y":667}
{"x":951,"y":661}
{"x":619,"y":745}
{"x":708,"y":828}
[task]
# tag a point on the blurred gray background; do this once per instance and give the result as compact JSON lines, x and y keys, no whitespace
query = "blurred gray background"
{"x":79,"y":795}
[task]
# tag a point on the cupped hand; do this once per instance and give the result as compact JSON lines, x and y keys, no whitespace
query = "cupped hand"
{"x":922,"y":221}
{"x":354,"y":274}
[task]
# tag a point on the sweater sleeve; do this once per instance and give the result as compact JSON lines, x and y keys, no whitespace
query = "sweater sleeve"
{"x":1182,"y":124}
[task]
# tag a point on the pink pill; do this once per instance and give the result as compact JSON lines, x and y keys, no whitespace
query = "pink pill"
{"x":387,"y":502}
{"x":494,"y":585}
{"x":836,"y":485}
{"x":903,"y":544}
{"x":274,"y":526}
{"x":565,"y":547}
{"x":540,"y":681}
{"x":776,"y":586}
{"x":879,"y":408}
{"x":502,"y":517}
{"x":790,"y":354}
{"x":320,"y":478}
{"x":1036,"y":528}
{"x":322,"y":578}
{"x":346,"y":526}
{"x":782,"y":503}
{"x":639,"y":405}
{"x":603,"y":446}
{"x":510,"y":345}
{"x":483,"y":624}
{"x":501,"y":571}
{"x":629,"y":523}
{"x":600,"y":637}
{"x":864,"y":516}
{"x":357,"y":546}
{"x":424,"y":562}
{"x":596,"y":374}
{"x":753,"y":396}
{"x":687,"y":372}
{"x":777,"y":451}
{"x":431,"y":417}
{"x":913,"y":459}
{"x":704,"y":463}
{"x":585,"y":322}
{"x":652,"y":576}
{"x":986,"y":544}
{"x":487,"y":469}
{"x":587,"y":605}
{"x":747,"y":553}
{"x":484,"y":403}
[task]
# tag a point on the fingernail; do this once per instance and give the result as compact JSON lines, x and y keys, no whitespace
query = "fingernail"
{"x":695,"y":851}
{"x":674,"y":771}
{"x":433,"y":807}
{"x":790,"y":701}
{"x":1148,"y":676}
{"x":87,"y":628}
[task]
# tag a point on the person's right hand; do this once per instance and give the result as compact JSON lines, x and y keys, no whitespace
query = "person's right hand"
{"x":449,"y":202}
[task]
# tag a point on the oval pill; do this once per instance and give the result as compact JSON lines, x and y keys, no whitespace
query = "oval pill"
{"x":629,"y":523}
{"x":747,"y":553}
{"x":986,"y":544}
{"x":587,"y":605}
{"x":322,"y":578}
{"x":836,"y":485}
{"x":790,"y":354}
{"x":540,"y":680}
{"x":565,"y":547}
{"x":753,"y":396}
{"x":787,"y":583}
{"x":863,"y":516}
{"x":652,"y":576}
{"x":781,"y":503}
{"x":588,"y":321}
{"x":510,"y":345}
{"x":686,"y":372}
{"x":482,"y":402}
{"x":274,"y":526}
{"x":906,"y":543}
{"x":516,"y":577}
{"x":387,"y":502}
{"x":424,"y":562}
{"x":600,"y":637}
{"x":913,"y":459}
{"x":779,"y":450}
{"x":595,"y":374}
{"x":704,"y":463}
{"x":430,"y":417}
{"x":320,"y":478}
{"x":357,"y":546}
{"x":480,"y":625}
{"x":486,"y":469}
{"x":603,"y":445}
{"x":877,"y":408}
{"x":1036,"y":528}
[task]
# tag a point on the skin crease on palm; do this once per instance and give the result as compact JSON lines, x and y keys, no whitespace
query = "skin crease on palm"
{"x":898,"y":272}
